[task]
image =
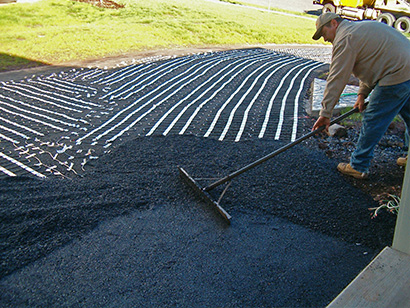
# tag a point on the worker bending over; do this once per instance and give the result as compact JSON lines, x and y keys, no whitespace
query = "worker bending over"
{"x":379,"y":56}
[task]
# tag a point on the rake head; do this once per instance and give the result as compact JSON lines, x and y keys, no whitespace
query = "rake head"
{"x":204,"y":194}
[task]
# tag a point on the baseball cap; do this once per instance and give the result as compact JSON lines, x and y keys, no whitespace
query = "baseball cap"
{"x":321,"y":21}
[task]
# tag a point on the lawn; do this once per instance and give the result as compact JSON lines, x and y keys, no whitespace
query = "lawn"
{"x":57,"y":31}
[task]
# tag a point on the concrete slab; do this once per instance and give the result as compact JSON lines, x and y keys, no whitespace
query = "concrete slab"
{"x":347,"y":99}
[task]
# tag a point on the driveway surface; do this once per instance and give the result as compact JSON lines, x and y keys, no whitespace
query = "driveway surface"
{"x":131,"y":233}
{"x":94,"y":213}
{"x":175,"y":256}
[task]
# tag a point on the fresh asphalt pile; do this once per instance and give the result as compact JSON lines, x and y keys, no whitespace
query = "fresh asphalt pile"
{"x":299,"y":231}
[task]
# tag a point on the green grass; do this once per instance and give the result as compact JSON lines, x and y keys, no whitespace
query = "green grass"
{"x":357,"y":117}
{"x":56,"y":31}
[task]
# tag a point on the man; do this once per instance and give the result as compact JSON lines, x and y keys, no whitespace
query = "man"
{"x":379,"y":56}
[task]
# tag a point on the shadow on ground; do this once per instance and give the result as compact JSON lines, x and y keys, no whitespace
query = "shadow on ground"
{"x":10,"y":63}
{"x":314,"y":12}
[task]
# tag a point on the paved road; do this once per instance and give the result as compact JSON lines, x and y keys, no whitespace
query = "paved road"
{"x":301,"y":6}
{"x":290,"y":5}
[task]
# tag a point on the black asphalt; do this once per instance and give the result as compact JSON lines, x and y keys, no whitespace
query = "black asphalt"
{"x":174,"y":256}
{"x":140,"y":237}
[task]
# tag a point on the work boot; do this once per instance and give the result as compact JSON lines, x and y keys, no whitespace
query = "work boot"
{"x":348,"y":170}
{"x":402,"y":161}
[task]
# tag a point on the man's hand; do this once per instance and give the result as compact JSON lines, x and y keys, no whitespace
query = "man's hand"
{"x":360,"y":103}
{"x":322,"y":121}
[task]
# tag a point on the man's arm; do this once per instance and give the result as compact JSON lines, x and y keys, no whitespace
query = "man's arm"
{"x":343,"y":60}
{"x":323,"y":121}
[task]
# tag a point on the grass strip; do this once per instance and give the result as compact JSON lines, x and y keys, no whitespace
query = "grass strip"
{"x":57,"y":31}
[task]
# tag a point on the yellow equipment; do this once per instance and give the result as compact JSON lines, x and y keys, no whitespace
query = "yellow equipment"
{"x":395,"y":13}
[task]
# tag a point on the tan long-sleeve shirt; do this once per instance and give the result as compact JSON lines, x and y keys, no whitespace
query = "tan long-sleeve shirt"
{"x":374,"y":52}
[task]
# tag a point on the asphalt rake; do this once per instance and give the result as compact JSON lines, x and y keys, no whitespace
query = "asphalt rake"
{"x":204,"y":191}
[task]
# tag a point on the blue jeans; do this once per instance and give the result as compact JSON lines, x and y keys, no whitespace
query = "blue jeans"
{"x":384,"y":104}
